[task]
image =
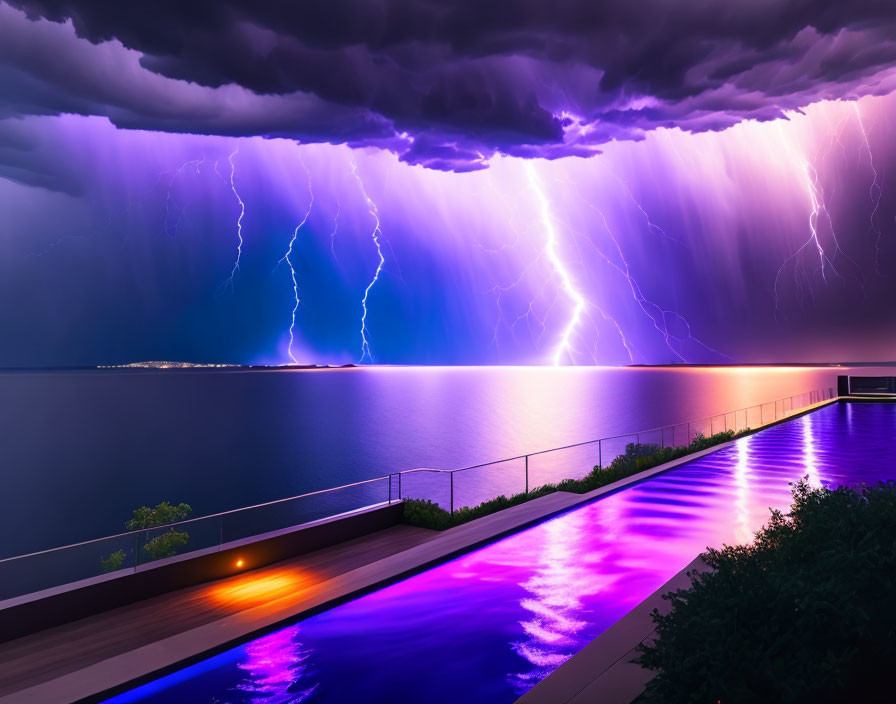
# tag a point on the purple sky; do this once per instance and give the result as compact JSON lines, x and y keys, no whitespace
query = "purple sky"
{"x":510,"y":182}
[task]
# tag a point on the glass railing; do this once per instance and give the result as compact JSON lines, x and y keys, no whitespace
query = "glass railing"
{"x":469,"y":486}
{"x":133,"y":551}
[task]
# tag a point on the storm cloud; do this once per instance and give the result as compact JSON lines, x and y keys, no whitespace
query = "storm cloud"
{"x":445,"y":85}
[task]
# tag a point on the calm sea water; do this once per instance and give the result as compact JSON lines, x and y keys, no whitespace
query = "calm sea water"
{"x":81,"y":450}
{"x":486,"y":627}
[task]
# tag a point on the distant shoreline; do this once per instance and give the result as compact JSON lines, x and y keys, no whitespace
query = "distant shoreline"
{"x":175,"y":368}
{"x":171,"y":367}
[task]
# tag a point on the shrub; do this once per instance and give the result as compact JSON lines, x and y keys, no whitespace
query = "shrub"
{"x":637,"y":458}
{"x":114,"y":562}
{"x":428,"y":514}
{"x":803,"y":614}
{"x":168,"y":543}
{"x":161,"y":515}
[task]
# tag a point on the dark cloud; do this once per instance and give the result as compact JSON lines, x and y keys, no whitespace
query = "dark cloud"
{"x":444,"y":84}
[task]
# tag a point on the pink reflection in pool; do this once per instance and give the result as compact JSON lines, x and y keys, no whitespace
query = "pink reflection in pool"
{"x":489,"y":625}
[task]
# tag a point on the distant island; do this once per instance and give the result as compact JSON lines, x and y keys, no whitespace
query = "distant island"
{"x":153,"y":364}
{"x":161,"y":364}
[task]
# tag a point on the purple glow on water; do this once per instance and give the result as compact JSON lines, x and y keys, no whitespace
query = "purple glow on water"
{"x":489,"y":625}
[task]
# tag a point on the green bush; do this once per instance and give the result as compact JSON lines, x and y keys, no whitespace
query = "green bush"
{"x":114,"y":562}
{"x":637,"y":458}
{"x":161,"y":515}
{"x":803,"y":614}
{"x":166,"y":544}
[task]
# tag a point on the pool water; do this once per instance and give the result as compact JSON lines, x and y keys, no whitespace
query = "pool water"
{"x":489,"y":625}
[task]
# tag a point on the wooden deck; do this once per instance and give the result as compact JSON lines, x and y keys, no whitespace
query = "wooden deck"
{"x":49,"y":654}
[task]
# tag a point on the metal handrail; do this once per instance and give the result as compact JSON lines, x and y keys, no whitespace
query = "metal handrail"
{"x":388,"y":477}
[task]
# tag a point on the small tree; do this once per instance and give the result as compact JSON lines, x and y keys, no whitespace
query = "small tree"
{"x":161,"y":515}
{"x":168,"y":543}
{"x":114,"y":562}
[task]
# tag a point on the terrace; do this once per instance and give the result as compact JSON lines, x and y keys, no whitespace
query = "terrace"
{"x":121,"y":647}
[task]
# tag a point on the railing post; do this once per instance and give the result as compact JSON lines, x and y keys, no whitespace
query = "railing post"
{"x":527,"y":474}
{"x":399,"y":486}
{"x":390,"y":489}
{"x":600,"y":454}
{"x":452,"y":491}
{"x":136,"y":549}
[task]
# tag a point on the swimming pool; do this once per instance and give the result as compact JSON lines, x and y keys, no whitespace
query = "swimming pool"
{"x":489,"y":625}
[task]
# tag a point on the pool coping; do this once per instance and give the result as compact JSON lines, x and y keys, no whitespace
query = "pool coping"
{"x":130,"y":669}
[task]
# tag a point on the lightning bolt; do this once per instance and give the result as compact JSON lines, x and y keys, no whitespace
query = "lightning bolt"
{"x":875,"y":190}
{"x":333,"y":233}
{"x":659,"y":317}
{"x":564,"y":346}
{"x":228,"y":282}
{"x":816,"y":207}
{"x":651,"y":226}
{"x":286,"y":258}
{"x":513,"y":205}
{"x":49,"y":247}
{"x":375,"y":235}
{"x":822,"y":200}
{"x":498,"y":290}
{"x":171,"y":230}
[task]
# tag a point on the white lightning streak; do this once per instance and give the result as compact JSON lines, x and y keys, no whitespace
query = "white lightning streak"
{"x":816,"y":207}
{"x":658,"y":316}
{"x":239,"y":223}
{"x":874,"y":190}
{"x":375,"y":236}
{"x":172,"y":229}
{"x":651,"y":226}
{"x":333,"y":233}
{"x":292,"y":272}
{"x":563,"y":347}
